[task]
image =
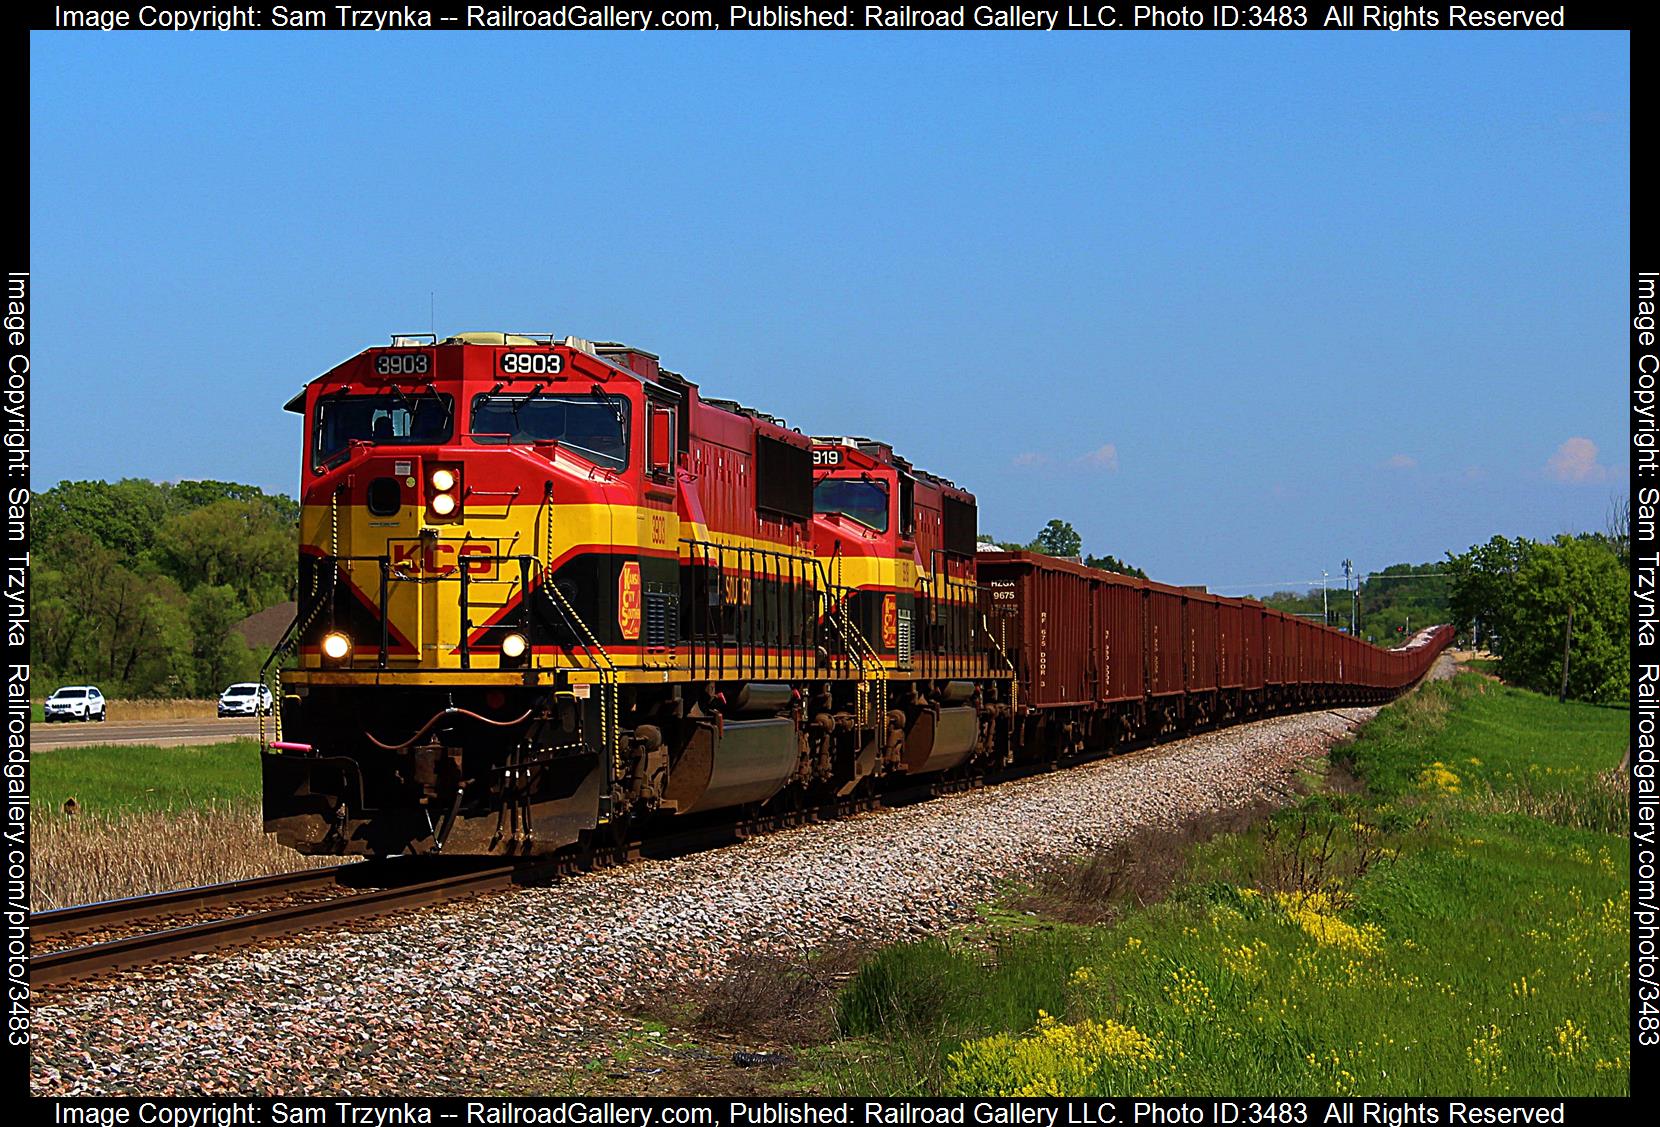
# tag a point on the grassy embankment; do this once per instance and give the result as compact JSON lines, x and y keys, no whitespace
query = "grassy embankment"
{"x":1459,"y":925}
{"x":150,"y":818}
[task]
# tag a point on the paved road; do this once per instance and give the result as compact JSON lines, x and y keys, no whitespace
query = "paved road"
{"x":168,"y":733}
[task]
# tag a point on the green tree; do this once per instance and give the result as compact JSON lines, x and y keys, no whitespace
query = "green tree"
{"x":220,"y":655}
{"x":1299,"y":603}
{"x":1585,"y":574}
{"x":1113,"y":563}
{"x":187,"y":496}
{"x":1403,"y":595}
{"x":1059,"y":538}
{"x":1483,"y":585}
{"x":137,"y":584}
{"x":122,"y":516}
{"x":99,"y":620}
{"x":244,"y":545}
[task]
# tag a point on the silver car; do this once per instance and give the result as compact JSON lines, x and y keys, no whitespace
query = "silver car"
{"x":247,"y":699}
{"x":76,"y":702}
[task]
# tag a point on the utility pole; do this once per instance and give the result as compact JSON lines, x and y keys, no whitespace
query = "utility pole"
{"x":1354,"y":594}
{"x":1567,"y":641}
{"x":1325,"y":607}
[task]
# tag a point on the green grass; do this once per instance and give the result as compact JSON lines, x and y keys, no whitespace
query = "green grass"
{"x":1460,"y":928}
{"x":143,"y":778}
{"x":1486,"y":734}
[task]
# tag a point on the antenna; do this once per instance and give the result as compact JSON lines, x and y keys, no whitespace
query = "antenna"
{"x":432,"y":311}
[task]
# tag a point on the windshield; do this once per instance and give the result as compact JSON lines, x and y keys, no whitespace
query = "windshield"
{"x":69,"y":694}
{"x":863,"y":501}
{"x":595,"y":426}
{"x":241,"y":691}
{"x":384,"y":419}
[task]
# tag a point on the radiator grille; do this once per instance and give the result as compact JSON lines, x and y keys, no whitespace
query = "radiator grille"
{"x":662,"y":620}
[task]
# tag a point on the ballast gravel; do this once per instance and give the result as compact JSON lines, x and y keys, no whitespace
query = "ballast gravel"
{"x":457,"y":998}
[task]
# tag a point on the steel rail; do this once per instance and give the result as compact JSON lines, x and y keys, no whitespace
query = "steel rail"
{"x":151,"y":947}
{"x":84,"y":917}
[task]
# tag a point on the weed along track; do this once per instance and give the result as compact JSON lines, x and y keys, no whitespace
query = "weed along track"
{"x":537,"y":983}
{"x":93,"y":939}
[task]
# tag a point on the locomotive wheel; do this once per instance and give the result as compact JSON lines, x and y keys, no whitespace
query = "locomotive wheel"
{"x":601,"y":846}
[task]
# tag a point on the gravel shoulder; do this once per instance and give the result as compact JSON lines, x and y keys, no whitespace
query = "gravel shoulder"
{"x":516,"y":993}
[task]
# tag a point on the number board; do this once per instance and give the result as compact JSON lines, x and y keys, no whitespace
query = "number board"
{"x":827,"y":457}
{"x":403,"y":364}
{"x":532,"y":363}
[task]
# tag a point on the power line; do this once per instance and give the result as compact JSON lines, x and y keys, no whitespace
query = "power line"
{"x":1369,"y":576}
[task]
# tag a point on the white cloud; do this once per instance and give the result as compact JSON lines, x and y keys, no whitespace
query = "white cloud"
{"x":1030,"y":459}
{"x":1401,"y":462}
{"x":1102,"y":458}
{"x":1576,"y":461}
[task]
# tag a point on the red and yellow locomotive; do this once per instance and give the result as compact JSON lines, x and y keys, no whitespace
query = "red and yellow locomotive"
{"x":549,"y":591}
{"x":547,"y":587}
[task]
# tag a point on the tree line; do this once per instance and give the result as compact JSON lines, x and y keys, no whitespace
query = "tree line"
{"x":1391,"y":603}
{"x":1059,"y":539}
{"x":137,"y":585}
{"x":1516,"y":596}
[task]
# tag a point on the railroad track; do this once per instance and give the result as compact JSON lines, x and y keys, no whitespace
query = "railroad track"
{"x":359,"y":890}
{"x":81,"y":945}
{"x":365,"y":889}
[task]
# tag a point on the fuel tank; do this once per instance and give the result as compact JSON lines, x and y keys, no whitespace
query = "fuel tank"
{"x":733,"y":763}
{"x":940,"y":743}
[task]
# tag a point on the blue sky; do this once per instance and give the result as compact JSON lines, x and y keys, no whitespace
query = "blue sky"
{"x":1237,"y":306}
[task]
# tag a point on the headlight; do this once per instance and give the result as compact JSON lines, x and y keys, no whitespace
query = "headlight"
{"x":336,"y":645}
{"x":443,"y":504}
{"x":443,"y":480}
{"x":513,"y":646}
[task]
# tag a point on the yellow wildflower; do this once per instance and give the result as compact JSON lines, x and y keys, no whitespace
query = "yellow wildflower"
{"x":1437,"y":777}
{"x":1486,"y":1055}
{"x":1570,"y":1041}
{"x":1053,"y":1059}
{"x":1313,"y":912}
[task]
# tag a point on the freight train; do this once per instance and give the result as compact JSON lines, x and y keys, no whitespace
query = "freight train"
{"x":551,"y":594}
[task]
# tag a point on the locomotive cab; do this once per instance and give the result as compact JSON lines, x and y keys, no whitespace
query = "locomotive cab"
{"x":469,"y":577}
{"x":899,"y":542}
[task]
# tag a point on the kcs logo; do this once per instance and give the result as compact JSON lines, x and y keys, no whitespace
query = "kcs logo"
{"x":412,"y":558}
{"x":628,"y":600}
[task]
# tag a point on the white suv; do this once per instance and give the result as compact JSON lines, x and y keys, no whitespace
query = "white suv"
{"x":76,"y":702}
{"x":247,"y":699}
